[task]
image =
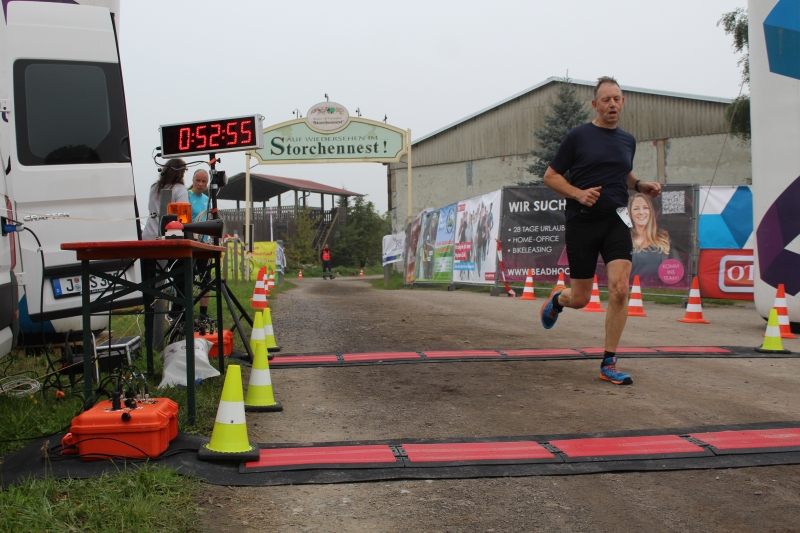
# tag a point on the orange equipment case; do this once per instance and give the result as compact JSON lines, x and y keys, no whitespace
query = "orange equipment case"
{"x":227,"y":340}
{"x":139,"y":432}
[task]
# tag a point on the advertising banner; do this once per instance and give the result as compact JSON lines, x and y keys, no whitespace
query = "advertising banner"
{"x":726,"y":274}
{"x":437,"y":237}
{"x":533,"y":236}
{"x":477,"y":227}
{"x":726,"y":217}
{"x":264,"y":254}
{"x":393,"y":248}
{"x":412,"y":244}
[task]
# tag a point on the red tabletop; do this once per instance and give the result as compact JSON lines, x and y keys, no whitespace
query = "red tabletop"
{"x":160,"y":249}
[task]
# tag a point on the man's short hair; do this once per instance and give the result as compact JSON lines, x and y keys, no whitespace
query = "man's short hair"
{"x":199,"y":170}
{"x":601,"y":81}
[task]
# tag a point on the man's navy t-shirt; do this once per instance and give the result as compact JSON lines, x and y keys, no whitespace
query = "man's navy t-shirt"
{"x":596,"y":156}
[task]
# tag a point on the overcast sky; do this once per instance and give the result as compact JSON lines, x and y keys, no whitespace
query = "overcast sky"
{"x":424,"y":64}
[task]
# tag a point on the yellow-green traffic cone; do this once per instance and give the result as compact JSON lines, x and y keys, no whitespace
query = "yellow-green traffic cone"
{"x":229,"y":438}
{"x":259,"y":391}
{"x":772,"y":337}
{"x":257,"y":335}
{"x":269,"y":333}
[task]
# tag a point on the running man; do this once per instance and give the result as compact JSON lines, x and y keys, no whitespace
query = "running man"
{"x":593,"y":169}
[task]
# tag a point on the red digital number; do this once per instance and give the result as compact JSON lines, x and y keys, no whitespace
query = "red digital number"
{"x":211,"y":141}
{"x":246,"y":132}
{"x":201,"y":136}
{"x":187,"y":132}
{"x":231,"y":133}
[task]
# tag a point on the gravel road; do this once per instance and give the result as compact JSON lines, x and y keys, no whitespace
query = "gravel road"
{"x":511,"y":398}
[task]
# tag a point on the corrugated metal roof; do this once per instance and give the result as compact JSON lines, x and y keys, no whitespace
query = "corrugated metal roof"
{"x":576,"y":82}
{"x":265,"y":187}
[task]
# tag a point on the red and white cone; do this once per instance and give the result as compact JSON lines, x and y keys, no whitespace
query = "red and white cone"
{"x":300,"y":274}
{"x":694,"y":310}
{"x":783,"y":314}
{"x":259,"y":295}
{"x":361,"y":273}
{"x":271,"y":281}
{"x":265,"y":282}
{"x":635,"y":307}
{"x":561,"y":283}
{"x":594,"y":302}
{"x":527,"y":292}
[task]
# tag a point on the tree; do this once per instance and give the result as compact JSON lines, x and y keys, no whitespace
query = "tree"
{"x":737,"y":116}
{"x":358,"y":243}
{"x":301,"y":246}
{"x":568,"y":112}
{"x":736,"y":25}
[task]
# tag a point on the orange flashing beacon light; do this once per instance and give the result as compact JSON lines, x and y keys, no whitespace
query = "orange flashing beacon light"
{"x":183,"y":210}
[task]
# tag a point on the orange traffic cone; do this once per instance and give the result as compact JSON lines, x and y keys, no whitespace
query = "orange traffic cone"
{"x":361,"y":273}
{"x":300,"y":275}
{"x":594,"y":302}
{"x":783,"y":314}
{"x":259,"y":295}
{"x":527,"y":292}
{"x":635,"y":307}
{"x":561,"y":283}
{"x":694,"y":310}
{"x":265,"y":282}
{"x":271,"y":280}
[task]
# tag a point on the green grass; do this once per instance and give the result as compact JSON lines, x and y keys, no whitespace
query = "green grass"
{"x":395,"y":282}
{"x":139,"y":498}
{"x":149,"y":498}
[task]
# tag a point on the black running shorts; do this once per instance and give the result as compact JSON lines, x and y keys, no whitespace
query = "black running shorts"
{"x":589,"y":235}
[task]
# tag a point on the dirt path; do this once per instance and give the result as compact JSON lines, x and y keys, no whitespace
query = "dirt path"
{"x":488,"y":399}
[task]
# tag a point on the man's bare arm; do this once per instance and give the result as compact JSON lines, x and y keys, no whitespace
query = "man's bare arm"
{"x":559,"y":183}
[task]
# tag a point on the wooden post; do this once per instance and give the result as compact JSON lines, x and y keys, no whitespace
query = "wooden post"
{"x":408,"y":158}
{"x":387,"y":273}
{"x":247,"y":199}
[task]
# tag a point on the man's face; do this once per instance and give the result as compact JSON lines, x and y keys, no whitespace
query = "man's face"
{"x":200,"y":182}
{"x":608,"y":103}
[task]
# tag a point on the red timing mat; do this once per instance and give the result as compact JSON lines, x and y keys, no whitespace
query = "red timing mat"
{"x":601,"y":351}
{"x":691,"y":349}
{"x":540,"y":353}
{"x":299,"y":359}
{"x":630,"y":447}
{"x":461,"y":353}
{"x":371,"y":456}
{"x":475,"y":451}
{"x":379,"y":356}
{"x":755,"y":441}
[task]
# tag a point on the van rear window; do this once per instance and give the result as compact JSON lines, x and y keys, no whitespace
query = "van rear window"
{"x":69,"y":113}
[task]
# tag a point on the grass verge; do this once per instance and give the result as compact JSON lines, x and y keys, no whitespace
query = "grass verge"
{"x":145,"y":499}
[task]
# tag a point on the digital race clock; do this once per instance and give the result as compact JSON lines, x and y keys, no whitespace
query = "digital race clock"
{"x":212,"y":136}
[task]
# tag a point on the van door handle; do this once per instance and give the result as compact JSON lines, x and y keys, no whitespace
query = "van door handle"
{"x":125,"y":156}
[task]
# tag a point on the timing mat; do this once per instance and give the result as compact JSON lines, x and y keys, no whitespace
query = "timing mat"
{"x":708,"y":447}
{"x":540,"y":354}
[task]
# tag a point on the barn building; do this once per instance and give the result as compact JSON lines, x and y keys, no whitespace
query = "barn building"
{"x":681,"y":138}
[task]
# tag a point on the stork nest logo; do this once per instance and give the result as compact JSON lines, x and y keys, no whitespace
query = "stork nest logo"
{"x":327,"y":117}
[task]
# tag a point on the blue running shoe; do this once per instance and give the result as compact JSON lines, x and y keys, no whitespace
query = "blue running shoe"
{"x":549,"y":314}
{"x":610,"y":372}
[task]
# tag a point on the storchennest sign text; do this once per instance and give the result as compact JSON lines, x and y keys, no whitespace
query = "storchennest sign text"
{"x":330,"y":135}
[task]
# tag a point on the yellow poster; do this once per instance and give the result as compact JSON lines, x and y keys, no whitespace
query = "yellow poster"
{"x":264,"y":254}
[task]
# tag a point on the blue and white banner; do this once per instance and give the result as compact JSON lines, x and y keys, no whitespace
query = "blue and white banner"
{"x":393,"y":247}
{"x":726,"y":218}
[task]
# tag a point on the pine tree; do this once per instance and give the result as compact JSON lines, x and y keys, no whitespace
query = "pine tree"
{"x":301,"y":248}
{"x":568,"y":112}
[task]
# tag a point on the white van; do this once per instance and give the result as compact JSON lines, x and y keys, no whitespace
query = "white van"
{"x":65,"y":149}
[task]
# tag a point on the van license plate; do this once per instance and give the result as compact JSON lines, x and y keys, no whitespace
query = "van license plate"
{"x":71,"y":286}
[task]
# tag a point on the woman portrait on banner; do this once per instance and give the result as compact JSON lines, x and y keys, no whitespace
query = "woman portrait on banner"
{"x":651,"y":245}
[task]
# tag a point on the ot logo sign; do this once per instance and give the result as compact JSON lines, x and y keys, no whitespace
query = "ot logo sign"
{"x":736,"y":273}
